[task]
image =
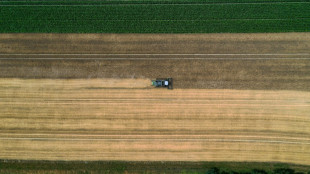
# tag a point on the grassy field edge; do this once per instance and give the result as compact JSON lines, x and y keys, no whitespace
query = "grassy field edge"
{"x":32,"y":166}
{"x":94,"y":2}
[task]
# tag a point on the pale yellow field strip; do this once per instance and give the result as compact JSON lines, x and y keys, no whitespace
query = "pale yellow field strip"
{"x":127,"y":119}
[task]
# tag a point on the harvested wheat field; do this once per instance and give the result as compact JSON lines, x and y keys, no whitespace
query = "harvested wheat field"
{"x":89,"y":97}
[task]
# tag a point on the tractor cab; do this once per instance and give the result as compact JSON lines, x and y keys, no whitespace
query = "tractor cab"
{"x":162,"y":83}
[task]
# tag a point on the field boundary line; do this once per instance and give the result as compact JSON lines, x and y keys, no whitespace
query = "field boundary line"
{"x":148,"y":135}
{"x":183,"y":20}
{"x":165,"y":139}
{"x":158,"y":58}
{"x":170,"y":104}
{"x":132,"y":135}
{"x":143,"y":54}
{"x":156,"y":4}
{"x":153,"y":135}
{"x":148,"y":99}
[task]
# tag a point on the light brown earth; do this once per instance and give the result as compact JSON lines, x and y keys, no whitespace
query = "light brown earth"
{"x":223,"y":108}
{"x":262,"y":43}
{"x":212,"y":61}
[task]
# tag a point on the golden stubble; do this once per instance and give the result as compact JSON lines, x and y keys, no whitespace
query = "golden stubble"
{"x":127,"y":119}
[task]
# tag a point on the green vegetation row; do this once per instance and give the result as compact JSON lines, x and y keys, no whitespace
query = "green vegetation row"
{"x":14,"y":166}
{"x":242,"y":17}
{"x":74,"y":2}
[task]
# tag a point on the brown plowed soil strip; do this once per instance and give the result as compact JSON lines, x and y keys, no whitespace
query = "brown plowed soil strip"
{"x":201,"y":74}
{"x":203,"y":61}
{"x":274,"y":43}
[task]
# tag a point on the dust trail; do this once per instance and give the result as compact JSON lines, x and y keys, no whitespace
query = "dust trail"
{"x":99,"y":83}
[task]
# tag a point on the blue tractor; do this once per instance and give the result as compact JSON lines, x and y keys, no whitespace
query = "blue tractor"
{"x":161,"y":82}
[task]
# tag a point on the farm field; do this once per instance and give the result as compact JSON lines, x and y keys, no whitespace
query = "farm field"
{"x":166,"y":16}
{"x":203,"y":61}
{"x":107,"y":119}
{"x":168,"y":167}
{"x":88,"y":97}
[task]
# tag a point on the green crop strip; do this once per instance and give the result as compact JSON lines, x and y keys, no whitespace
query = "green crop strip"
{"x":43,"y":167}
{"x":157,"y":16}
{"x":96,"y":2}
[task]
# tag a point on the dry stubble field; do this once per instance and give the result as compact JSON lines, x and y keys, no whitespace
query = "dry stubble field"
{"x":237,"y":97}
